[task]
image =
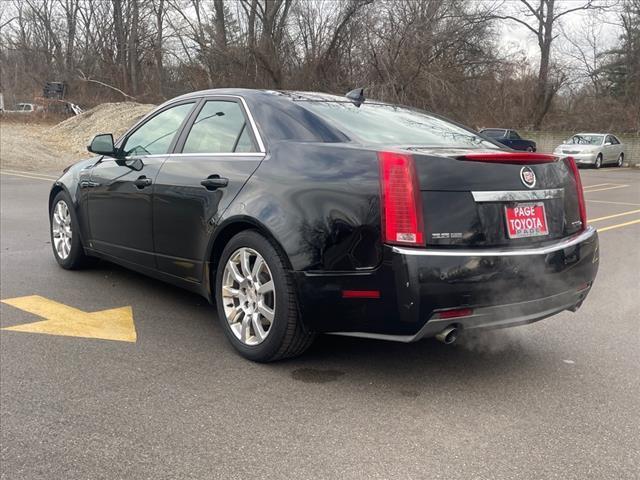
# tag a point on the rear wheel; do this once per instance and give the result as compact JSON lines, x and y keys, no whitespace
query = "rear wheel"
{"x":598,"y":163}
{"x":256,"y":300}
{"x":620,"y":160}
{"x":65,"y":237}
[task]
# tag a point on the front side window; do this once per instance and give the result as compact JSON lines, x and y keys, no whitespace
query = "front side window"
{"x":219,"y":128}
{"x":385,"y":124}
{"x":154,"y":137}
{"x":514,"y":135}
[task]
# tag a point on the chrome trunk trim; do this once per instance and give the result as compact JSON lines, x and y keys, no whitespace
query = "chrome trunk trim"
{"x":517,"y":195}
{"x":501,"y":252}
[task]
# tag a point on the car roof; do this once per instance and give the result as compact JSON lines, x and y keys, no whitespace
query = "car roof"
{"x":248,"y":93}
{"x":592,"y":133}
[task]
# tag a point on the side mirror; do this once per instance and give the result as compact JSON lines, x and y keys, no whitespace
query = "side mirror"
{"x":103,"y":145}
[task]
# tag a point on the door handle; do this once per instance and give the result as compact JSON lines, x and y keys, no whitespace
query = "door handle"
{"x":142,"y":182}
{"x":213,"y":182}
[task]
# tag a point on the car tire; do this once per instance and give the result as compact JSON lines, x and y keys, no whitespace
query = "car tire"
{"x":242,"y":301}
{"x":530,"y":149}
{"x":598,"y":162}
{"x":65,"y":235}
{"x":620,"y":160}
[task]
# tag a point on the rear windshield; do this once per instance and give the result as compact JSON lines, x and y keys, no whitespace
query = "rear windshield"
{"x":493,"y":133}
{"x":586,"y":140}
{"x":377,"y":123}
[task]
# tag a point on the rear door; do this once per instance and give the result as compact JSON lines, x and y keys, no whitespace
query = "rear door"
{"x":214,"y":157}
{"x":616,"y":147}
{"x":120,"y":190}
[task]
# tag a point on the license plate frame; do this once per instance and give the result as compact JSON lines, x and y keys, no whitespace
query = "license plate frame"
{"x":522,"y":222}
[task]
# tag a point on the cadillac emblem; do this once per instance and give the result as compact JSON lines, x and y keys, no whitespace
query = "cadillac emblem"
{"x":528,"y":177}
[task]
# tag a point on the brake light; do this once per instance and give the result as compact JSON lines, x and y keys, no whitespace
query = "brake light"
{"x":571,"y":164}
{"x":510,"y":157}
{"x":401,"y":206}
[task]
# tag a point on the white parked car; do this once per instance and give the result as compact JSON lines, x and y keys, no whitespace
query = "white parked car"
{"x":28,"y":108}
{"x":594,"y":149}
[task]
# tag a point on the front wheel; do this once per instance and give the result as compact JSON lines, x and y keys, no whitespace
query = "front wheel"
{"x":620,"y":160}
{"x":598,"y":163}
{"x":256,"y":300}
{"x":65,"y":235}
{"x":529,"y":149}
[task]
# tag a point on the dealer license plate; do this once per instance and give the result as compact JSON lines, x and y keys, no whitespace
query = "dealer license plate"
{"x":526,"y":220}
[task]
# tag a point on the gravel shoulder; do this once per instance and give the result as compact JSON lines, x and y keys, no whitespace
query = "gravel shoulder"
{"x":22,"y":147}
{"x":50,"y":148}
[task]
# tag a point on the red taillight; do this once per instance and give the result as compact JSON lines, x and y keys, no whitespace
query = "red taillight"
{"x":401,"y":204}
{"x":510,"y":157}
{"x":571,"y":163}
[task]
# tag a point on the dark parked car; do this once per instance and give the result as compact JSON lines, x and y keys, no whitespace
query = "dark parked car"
{"x":510,"y":138}
{"x":305,"y":213}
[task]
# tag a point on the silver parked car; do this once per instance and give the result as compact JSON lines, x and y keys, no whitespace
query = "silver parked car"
{"x":594,"y":149}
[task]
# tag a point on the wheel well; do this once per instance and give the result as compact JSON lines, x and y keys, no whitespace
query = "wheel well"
{"x":54,"y":191}
{"x":232,"y":229}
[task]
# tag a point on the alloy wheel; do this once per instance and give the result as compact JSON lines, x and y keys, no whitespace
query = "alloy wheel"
{"x":620,"y":160}
{"x":249,"y":296}
{"x":61,"y":229}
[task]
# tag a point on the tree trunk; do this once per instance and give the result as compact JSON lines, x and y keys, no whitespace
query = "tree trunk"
{"x":220,"y":26}
{"x":133,"y":47}
{"x":157,"y":47}
{"x":121,"y":47}
{"x":543,"y":94}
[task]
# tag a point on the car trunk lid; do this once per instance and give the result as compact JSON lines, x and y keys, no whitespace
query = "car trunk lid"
{"x":498,"y":198}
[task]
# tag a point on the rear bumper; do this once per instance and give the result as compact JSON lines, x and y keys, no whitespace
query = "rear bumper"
{"x":503,"y":288}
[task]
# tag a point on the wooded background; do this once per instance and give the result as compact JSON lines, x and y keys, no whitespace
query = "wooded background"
{"x":440,"y":55}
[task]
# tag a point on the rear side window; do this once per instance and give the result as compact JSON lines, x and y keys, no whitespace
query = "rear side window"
{"x":219,"y":128}
{"x":385,"y":124}
{"x":154,"y":137}
{"x":493,"y":133}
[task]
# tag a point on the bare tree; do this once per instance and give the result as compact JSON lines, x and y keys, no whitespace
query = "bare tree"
{"x":541,"y":17}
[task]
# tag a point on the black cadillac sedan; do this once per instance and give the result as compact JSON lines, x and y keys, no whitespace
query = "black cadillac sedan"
{"x":303,"y":213}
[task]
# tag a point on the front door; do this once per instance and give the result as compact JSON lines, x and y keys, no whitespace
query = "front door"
{"x":214,"y":158}
{"x":121,"y":190}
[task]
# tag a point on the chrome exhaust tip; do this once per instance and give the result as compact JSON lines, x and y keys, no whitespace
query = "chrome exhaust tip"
{"x":448,"y":335}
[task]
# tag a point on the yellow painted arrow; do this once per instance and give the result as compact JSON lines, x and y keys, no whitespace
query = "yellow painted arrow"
{"x":114,"y":324}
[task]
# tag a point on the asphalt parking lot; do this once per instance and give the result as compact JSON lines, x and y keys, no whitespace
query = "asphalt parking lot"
{"x":556,"y":399}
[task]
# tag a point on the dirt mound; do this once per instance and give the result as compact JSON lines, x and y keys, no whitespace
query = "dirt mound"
{"x":75,"y":133}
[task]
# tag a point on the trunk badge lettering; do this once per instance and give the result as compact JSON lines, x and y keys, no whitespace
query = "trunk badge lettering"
{"x":528,"y":177}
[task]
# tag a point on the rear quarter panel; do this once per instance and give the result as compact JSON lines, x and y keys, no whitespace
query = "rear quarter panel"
{"x":320,"y":202}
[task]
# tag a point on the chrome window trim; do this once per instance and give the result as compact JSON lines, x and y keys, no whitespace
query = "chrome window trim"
{"x":517,"y":195}
{"x":501,"y":252}
{"x":217,"y":154}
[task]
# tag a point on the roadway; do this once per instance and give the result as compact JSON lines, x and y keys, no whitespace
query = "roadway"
{"x":556,"y":399}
